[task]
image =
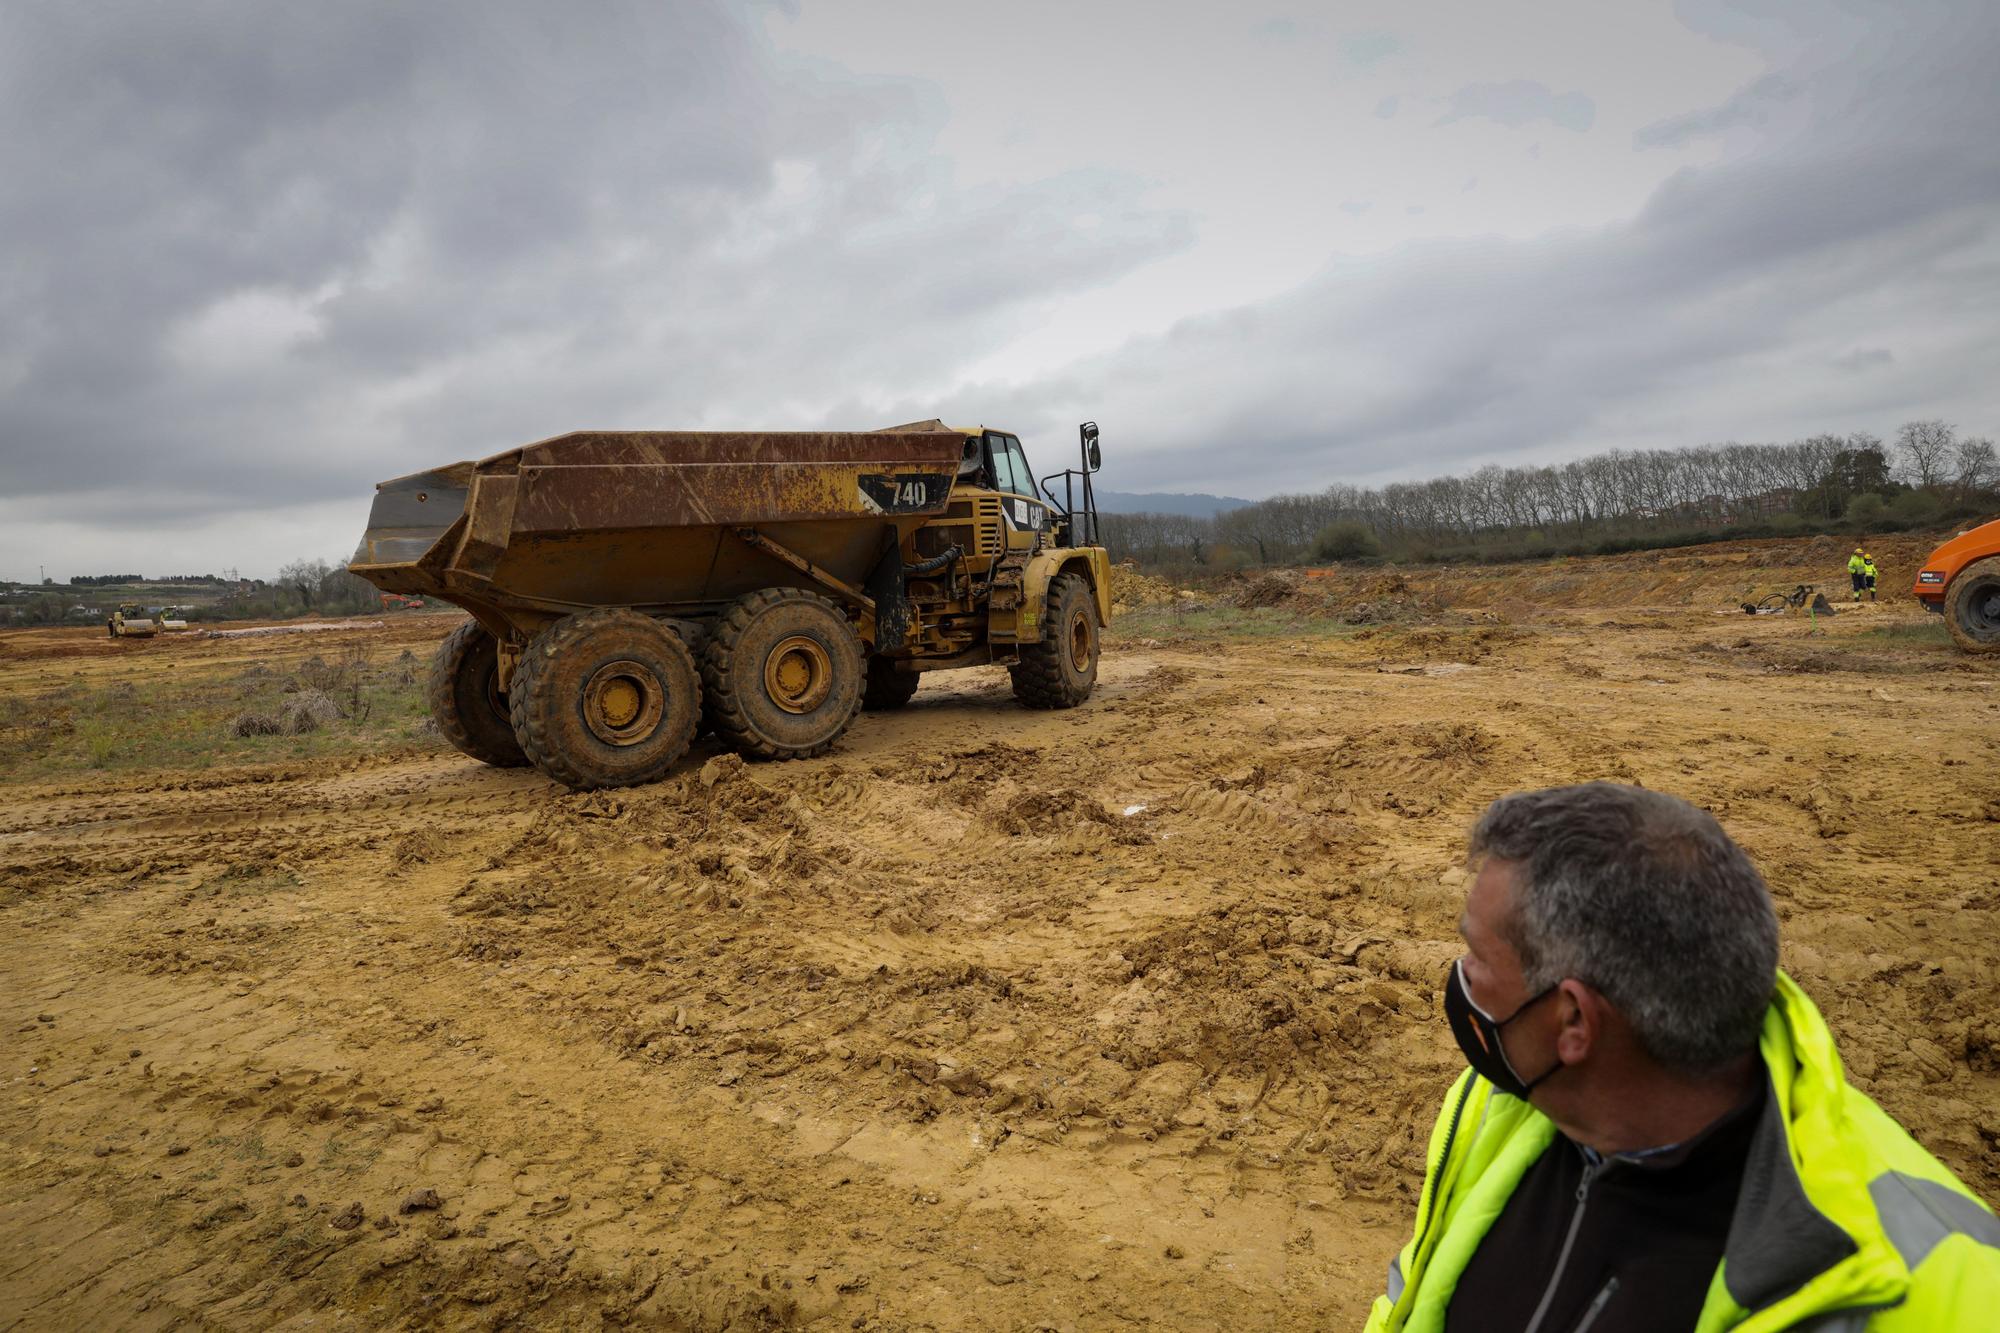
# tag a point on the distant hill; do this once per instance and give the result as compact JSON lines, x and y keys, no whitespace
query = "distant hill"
{"x":1152,"y":502}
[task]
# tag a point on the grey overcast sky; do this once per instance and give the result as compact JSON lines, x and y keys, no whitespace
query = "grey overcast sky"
{"x":258,"y":257}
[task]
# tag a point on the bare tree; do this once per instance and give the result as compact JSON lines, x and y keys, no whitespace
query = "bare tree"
{"x":304,"y":577}
{"x":1974,"y":467}
{"x":1617,"y":492}
{"x":1924,"y":450}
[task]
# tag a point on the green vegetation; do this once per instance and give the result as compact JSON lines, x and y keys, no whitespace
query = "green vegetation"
{"x":1931,"y":629}
{"x":1349,"y":540}
{"x":175,"y":721}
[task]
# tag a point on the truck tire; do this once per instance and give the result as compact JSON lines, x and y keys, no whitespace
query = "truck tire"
{"x":464,"y":697}
{"x":784,"y":674}
{"x":1060,"y":671}
{"x":605,"y":698}
{"x":694,"y":634}
{"x":888,"y":688}
{"x":1972,"y":606}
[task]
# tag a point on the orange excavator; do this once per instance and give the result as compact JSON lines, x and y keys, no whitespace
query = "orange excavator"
{"x":392,"y":601}
{"x":1961,"y":581}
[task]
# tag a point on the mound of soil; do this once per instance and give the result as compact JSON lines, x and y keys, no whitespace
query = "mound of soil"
{"x":1361,"y":597}
{"x":1130,"y":588}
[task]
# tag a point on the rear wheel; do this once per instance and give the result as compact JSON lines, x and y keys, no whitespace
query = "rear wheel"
{"x":783,"y":673}
{"x":605,"y":699}
{"x":888,"y":688}
{"x":1972,"y":607}
{"x":1060,"y":671}
{"x":465,"y":699}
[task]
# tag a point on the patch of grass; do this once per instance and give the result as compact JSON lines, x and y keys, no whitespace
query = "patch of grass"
{"x":1180,"y":621}
{"x":177,"y":720}
{"x":1931,"y":629}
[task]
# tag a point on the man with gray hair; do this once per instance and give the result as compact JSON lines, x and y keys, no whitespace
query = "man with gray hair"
{"x":1655,"y":1132}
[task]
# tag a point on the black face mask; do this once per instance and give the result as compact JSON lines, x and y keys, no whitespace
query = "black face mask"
{"x":1478,"y":1034}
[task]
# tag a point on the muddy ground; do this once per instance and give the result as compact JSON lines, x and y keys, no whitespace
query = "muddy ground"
{"x":990,"y":1019}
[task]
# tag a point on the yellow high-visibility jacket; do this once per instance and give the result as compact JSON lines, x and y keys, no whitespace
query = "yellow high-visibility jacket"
{"x":1856,"y":565}
{"x":1843,"y":1223}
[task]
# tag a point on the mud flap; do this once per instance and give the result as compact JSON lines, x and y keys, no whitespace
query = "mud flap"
{"x":887,"y":587}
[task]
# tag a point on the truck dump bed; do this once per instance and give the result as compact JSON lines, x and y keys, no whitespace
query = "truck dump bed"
{"x":641,"y":518}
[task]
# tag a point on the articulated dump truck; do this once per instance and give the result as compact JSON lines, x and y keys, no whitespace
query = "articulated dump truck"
{"x":628,"y":587}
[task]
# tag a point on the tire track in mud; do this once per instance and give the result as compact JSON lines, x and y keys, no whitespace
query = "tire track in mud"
{"x":267,"y":1078}
{"x":432,"y":779}
{"x":933,"y":1024}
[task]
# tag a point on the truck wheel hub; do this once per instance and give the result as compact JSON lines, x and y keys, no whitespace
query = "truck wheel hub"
{"x":622,"y":702}
{"x":798,"y":674}
{"x":1983,"y":611}
{"x":1079,"y":642}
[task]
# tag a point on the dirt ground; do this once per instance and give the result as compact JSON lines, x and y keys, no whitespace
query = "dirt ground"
{"x":988,"y":1020}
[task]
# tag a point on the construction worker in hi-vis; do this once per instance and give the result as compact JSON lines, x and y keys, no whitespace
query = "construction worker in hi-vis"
{"x":1857,"y":571}
{"x":1868,"y":573}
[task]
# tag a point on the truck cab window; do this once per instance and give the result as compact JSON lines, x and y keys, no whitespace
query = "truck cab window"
{"x":1025,"y":478}
{"x":1010,"y":466}
{"x":1003,"y":464}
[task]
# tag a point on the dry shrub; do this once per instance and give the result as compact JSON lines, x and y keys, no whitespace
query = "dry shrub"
{"x":312,"y":674}
{"x":310,"y":711}
{"x":340,"y":681}
{"x":1273,"y":589}
{"x":255,"y":724}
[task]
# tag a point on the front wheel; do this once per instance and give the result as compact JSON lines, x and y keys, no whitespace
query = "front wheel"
{"x":888,"y":688}
{"x":1972,"y":607}
{"x":605,"y":699}
{"x":1060,"y":671}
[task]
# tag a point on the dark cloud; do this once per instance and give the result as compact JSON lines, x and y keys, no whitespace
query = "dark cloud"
{"x":260,"y":254}
{"x":1521,"y":102}
{"x":1878,"y":219}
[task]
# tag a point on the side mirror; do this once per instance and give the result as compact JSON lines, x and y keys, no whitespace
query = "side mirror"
{"x":1090,"y":450}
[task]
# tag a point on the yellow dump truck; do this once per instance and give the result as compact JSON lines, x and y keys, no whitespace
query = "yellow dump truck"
{"x":626,"y":585}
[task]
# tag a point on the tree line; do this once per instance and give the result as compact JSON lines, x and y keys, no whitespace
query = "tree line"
{"x":302,"y":587}
{"x":1619,"y":499}
{"x":186,"y":580}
